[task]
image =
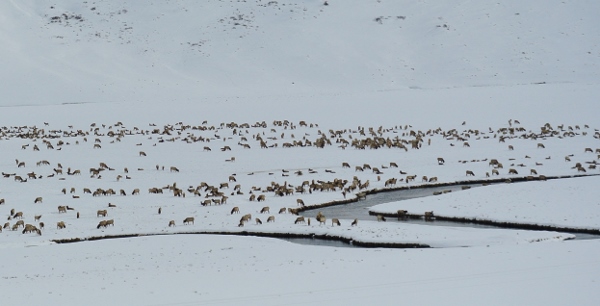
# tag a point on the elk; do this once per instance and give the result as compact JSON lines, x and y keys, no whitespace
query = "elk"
{"x":380,"y":218}
{"x":62,"y":209}
{"x":533,"y":172}
{"x":111,"y":205}
{"x":142,"y":153}
{"x":135,"y":191}
{"x":61,"y":225}
{"x":355,"y":222}
{"x":512,"y":171}
{"x":429,"y":215}
{"x":265,"y":210}
{"x":469,"y":172}
{"x":258,"y":221}
{"x":232,"y":179}
{"x":393,"y":165}
{"x":2,"y":201}
{"x":433,"y":179}
{"x":345,"y":165}
{"x":174,"y":169}
{"x":188,"y":220}
{"x":271,"y":219}
{"x":440,"y":161}
{"x":300,"y":202}
{"x":260,"y":198}
{"x":300,"y":220}
{"x":335,"y":221}
{"x":495,"y":171}
{"x":102,"y":213}
{"x":540,"y":145}
{"x":171,"y":223}
{"x":101,"y":224}
{"x":402,"y":214}
{"x":235,"y":210}
{"x":37,"y":217}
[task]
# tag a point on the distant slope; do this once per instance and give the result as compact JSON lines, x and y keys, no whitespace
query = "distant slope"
{"x":114,"y":50}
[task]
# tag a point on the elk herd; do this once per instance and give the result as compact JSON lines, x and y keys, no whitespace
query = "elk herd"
{"x":345,"y":178}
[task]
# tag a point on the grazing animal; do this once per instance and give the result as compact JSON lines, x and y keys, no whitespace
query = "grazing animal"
{"x":533,"y":172}
{"x":335,"y":221}
{"x":174,"y":169}
{"x":38,"y":200}
{"x":101,"y":224}
{"x":41,"y":225}
{"x":37,"y":217}
{"x":510,"y":147}
{"x":393,"y":165}
{"x":429,"y":215}
{"x":18,"y":215}
{"x":402,"y":214}
{"x":355,"y":222}
{"x":495,"y":171}
{"x":102,"y":213}
{"x":260,"y":198}
{"x":512,"y":171}
{"x":282,"y":210}
{"x":271,"y":219}
{"x":2,"y":201}
{"x":540,"y":145}
{"x":300,"y":202}
{"x":236,"y":210}
{"x":258,"y":221}
{"x":469,"y":172}
{"x":61,"y":225}
{"x":142,"y":153}
{"x":345,"y":165}
{"x":300,"y":220}
{"x":188,"y":220}
{"x":171,"y":223}
{"x":440,"y":161}
{"x":433,"y":179}
{"x":135,"y":191}
{"x":265,"y":210}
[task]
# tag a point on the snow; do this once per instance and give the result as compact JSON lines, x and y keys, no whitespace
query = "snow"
{"x":400,"y":65}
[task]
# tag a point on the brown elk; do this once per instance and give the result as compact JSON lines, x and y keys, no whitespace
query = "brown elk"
{"x":495,"y":171}
{"x":300,"y":220}
{"x":37,"y":217}
{"x":265,"y":210}
{"x":271,"y":219}
{"x":174,"y":169}
{"x":142,"y":153}
{"x":512,"y":171}
{"x":61,"y":225}
{"x":540,"y":145}
{"x":335,"y":221}
{"x":62,"y":209}
{"x":171,"y":223}
{"x":300,"y":202}
{"x":402,"y":214}
{"x":260,"y":198}
{"x":440,"y":161}
{"x":258,"y":221}
{"x":429,"y":215}
{"x":533,"y":172}
{"x":102,"y":213}
{"x":355,"y":222}
{"x":433,"y":179}
{"x":469,"y":172}
{"x":345,"y":165}
{"x":188,"y":220}
{"x":282,"y":210}
{"x":101,"y":224}
{"x":235,"y":210}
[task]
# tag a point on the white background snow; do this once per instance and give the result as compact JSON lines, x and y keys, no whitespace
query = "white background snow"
{"x":401,"y":65}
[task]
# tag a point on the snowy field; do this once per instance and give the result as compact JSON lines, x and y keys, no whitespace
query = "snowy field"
{"x":219,"y":104}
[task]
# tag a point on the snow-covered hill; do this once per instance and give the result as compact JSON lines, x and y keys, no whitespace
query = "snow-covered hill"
{"x":105,"y":50}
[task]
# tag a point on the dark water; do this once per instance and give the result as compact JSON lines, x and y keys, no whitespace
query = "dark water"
{"x":360,"y":209}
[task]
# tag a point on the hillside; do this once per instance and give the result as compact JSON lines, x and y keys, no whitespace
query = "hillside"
{"x":156,"y":51}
